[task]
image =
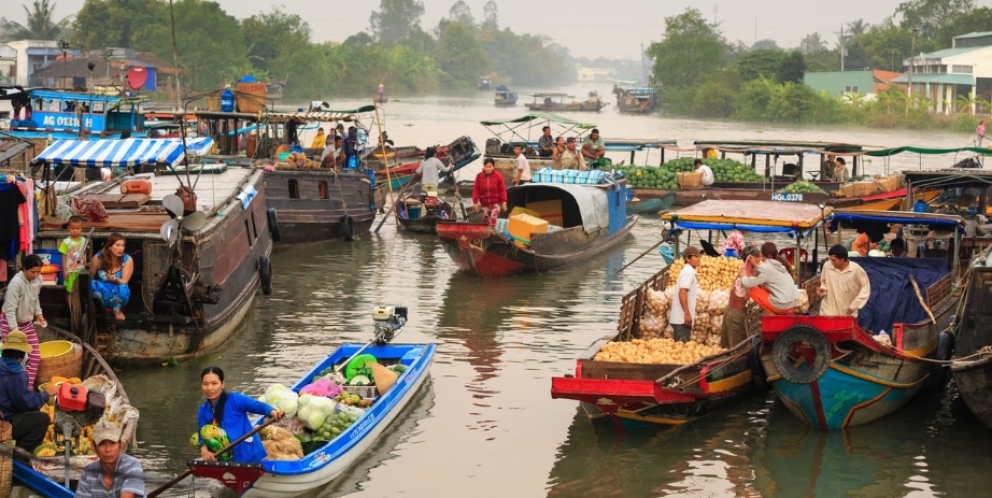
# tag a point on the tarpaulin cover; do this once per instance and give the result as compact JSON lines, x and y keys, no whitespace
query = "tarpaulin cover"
{"x":893,"y":299}
{"x":113,"y":153}
{"x":928,"y":151}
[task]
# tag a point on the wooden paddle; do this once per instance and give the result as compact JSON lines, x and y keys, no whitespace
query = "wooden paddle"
{"x":645,"y":253}
{"x":919,"y":295}
{"x":157,"y":491}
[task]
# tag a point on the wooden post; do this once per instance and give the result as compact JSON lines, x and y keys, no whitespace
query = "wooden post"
{"x":385,"y":161}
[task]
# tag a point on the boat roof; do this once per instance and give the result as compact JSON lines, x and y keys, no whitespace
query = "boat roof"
{"x":115,"y":153}
{"x":592,"y":201}
{"x":551,"y":94}
{"x":547,"y":117}
{"x":777,"y":146}
{"x":313,"y":116}
{"x":635,"y":144}
{"x":945,"y":221}
{"x":949,"y":178}
{"x":927,"y":151}
{"x":226,"y":115}
{"x":751,"y":216}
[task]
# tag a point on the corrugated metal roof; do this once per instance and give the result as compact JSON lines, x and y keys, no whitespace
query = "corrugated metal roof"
{"x":976,"y":34}
{"x":950,"y":52}
{"x":940,"y":79}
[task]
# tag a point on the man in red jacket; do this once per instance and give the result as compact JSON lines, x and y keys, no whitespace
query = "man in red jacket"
{"x":489,"y":191}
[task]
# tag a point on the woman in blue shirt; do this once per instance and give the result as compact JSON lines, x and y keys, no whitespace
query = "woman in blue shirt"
{"x":230,"y":412}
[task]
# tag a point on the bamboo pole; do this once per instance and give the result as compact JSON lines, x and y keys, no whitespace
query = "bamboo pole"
{"x":385,"y":161}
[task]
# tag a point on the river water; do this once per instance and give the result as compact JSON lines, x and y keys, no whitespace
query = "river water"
{"x":485,"y":424}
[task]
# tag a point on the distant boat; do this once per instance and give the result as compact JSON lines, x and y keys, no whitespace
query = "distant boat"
{"x":274,"y":91}
{"x":555,"y":102}
{"x":505,"y":97}
{"x":484,"y":84}
{"x":636,"y":99}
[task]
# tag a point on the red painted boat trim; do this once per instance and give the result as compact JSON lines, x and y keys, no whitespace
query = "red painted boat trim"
{"x":616,"y":391}
{"x":814,"y":388}
{"x":886,"y":195}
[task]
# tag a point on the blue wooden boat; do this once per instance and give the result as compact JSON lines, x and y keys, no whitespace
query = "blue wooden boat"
{"x":831,"y":371}
{"x":40,"y":113}
{"x":650,"y":206}
{"x":324,"y":464}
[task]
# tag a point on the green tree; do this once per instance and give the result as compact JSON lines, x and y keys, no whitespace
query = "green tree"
{"x":120,"y":23}
{"x":396,"y":19}
{"x":765,"y":45}
{"x":690,"y":50}
{"x":460,"y":55}
{"x":857,"y":27}
{"x":274,"y":37}
{"x":812,"y":44}
{"x":791,"y":68}
{"x":976,"y":20}
{"x":886,"y":46}
{"x":491,"y":15}
{"x":929,"y":16}
{"x":461,"y":12}
{"x":40,"y":24}
{"x":757,"y":63}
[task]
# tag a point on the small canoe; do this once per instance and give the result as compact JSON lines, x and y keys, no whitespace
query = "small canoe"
{"x":651,"y":206}
{"x":286,"y":479}
{"x":418,"y":217}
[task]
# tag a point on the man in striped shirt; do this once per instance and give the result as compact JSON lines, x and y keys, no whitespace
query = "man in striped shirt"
{"x":116,"y":475}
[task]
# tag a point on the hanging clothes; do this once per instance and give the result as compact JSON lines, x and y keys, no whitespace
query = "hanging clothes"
{"x":24,"y":218}
{"x":11,"y":200}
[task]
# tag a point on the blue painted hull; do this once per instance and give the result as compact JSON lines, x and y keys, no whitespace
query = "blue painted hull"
{"x":835,"y":400}
{"x":26,"y":476}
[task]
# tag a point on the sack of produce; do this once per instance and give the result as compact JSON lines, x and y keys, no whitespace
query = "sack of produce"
{"x":803,"y":301}
{"x":651,"y":326}
{"x":658,"y":303}
{"x":702,"y":301}
{"x":292,"y":425}
{"x":216,"y":439}
{"x":713,"y":272}
{"x":700,"y":327}
{"x":384,"y":378}
{"x":719,"y":299}
{"x":716,"y":324}
{"x":290,"y":449}
{"x":324,"y":387}
{"x":314,"y":410}
{"x":281,"y":398}
{"x":655,"y":351}
{"x":669,"y":333}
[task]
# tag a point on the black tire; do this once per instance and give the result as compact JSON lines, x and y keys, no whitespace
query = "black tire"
{"x":273,"y":225}
{"x":782,"y":348}
{"x":759,"y":379}
{"x":265,"y":274}
{"x":347,"y":228}
{"x":941,"y":374}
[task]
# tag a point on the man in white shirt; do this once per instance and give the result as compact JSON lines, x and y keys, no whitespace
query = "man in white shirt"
{"x":706,"y":171}
{"x":523,"y":166}
{"x":429,"y":171}
{"x":843,"y":284}
{"x":686,"y":289}
{"x":331,"y":157}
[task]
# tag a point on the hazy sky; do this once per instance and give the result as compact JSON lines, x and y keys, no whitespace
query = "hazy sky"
{"x":587,"y":27}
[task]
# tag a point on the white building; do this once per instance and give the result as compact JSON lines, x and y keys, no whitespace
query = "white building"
{"x":965,"y":69}
{"x":8,"y":61}
{"x":32,"y":55}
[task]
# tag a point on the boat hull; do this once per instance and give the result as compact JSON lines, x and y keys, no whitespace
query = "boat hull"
{"x":651,"y":206}
{"x":311,"y":204}
{"x":478,"y":250}
{"x":974,"y":382}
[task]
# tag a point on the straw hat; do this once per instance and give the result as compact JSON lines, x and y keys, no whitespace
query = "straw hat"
{"x":16,"y":341}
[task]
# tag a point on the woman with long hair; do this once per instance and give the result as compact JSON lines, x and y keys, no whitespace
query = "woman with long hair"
{"x":22,"y":310}
{"x":111,"y":269}
{"x":229,"y":411}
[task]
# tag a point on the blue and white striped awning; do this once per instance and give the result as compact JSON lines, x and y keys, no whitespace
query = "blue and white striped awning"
{"x":112,"y":153}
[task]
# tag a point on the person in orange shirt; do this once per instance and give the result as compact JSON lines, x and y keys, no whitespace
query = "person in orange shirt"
{"x":863,"y":244}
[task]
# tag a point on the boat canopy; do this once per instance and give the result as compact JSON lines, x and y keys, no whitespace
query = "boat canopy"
{"x":927,"y":151}
{"x":932,"y":220}
{"x":949,"y":178}
{"x":750,"y":216}
{"x":556,"y":95}
{"x":591,"y":203}
{"x":313,"y":116}
{"x":546,"y":117}
{"x":110,"y":153}
{"x":636,"y":144}
{"x":778,"y":146}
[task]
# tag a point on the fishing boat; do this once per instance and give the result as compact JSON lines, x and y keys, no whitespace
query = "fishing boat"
{"x":198,"y":260}
{"x":555,"y":102}
{"x":650,"y":206}
{"x":633,"y":395}
{"x":636,"y":99}
{"x":972,"y":365}
{"x":834,"y":372}
{"x":59,"y":114}
{"x":505,"y":97}
{"x":324,"y":464}
{"x":587,"y":219}
{"x":421,"y":214}
{"x":45,"y":477}
{"x":484,"y":84}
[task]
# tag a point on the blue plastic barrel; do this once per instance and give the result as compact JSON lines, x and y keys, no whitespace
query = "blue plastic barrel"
{"x":227,"y":100}
{"x":921,"y":206}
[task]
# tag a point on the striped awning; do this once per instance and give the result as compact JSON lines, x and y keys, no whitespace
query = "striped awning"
{"x":122,"y":153}
{"x":312,"y":116}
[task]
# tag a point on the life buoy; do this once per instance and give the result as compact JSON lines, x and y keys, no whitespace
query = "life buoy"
{"x":816,"y":350}
{"x":265,"y":274}
{"x":273,"y":224}
{"x":347,"y":227}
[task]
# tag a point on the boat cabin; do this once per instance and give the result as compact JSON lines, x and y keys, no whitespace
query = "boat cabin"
{"x":39,"y":113}
{"x":793,"y":154}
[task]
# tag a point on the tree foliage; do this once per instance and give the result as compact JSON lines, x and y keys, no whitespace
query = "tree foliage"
{"x":40,"y":24}
{"x":691,"y":49}
{"x":929,"y":16}
{"x":396,"y":19}
{"x":460,"y":55}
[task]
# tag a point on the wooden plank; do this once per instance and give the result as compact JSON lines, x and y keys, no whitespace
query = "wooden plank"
{"x":121,"y":201}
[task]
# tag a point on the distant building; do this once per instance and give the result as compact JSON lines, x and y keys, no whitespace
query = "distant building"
{"x":964,"y":69}
{"x":109,"y":68}
{"x":8,"y":64}
{"x":596,"y":75}
{"x":869,"y":82}
{"x":32,"y":55}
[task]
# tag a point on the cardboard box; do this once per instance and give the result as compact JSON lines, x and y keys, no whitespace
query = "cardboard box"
{"x":522,"y":210}
{"x":523,"y":226}
{"x":549,"y":211}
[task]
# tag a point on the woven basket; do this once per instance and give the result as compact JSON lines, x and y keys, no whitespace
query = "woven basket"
{"x":213,"y":102}
{"x":6,"y":459}
{"x":862,"y":189}
{"x":70,"y":365}
{"x":251,"y":97}
{"x":692,"y":179}
{"x":846,"y":190}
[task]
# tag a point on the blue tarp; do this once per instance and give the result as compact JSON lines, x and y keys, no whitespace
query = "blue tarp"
{"x":700,"y":225}
{"x":943,"y":224}
{"x":893,"y":299}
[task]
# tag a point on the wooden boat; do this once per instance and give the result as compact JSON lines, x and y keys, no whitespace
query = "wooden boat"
{"x":272,"y":479}
{"x":972,"y":366}
{"x":188,"y":293}
{"x":555,"y":102}
{"x":422,"y":215}
{"x":831,"y":372}
{"x":636,"y":100}
{"x":505,"y":97}
{"x":650,"y":206}
{"x":635,"y":395}
{"x":46,"y":477}
{"x":101,"y":116}
{"x":592,"y":218}
{"x":274,"y":91}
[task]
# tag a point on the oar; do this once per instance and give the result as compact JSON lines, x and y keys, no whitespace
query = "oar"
{"x":157,"y":491}
{"x":916,"y":288}
{"x":645,"y":253}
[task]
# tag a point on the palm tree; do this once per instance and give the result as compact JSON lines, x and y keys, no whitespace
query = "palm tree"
{"x":967,"y":101}
{"x":812,"y":44}
{"x":858,"y":27}
{"x":40,"y":24}
{"x":855,"y":99}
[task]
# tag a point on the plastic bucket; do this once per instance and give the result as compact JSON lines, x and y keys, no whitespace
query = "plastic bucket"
{"x":54,"y":349}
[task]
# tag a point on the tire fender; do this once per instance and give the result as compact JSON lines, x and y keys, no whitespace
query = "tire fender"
{"x":347,"y":228}
{"x":815,"y":366}
{"x":273,"y":225}
{"x":265,"y":274}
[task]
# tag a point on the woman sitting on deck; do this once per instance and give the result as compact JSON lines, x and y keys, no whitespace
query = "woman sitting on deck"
{"x":770,"y":281}
{"x":111,"y":270}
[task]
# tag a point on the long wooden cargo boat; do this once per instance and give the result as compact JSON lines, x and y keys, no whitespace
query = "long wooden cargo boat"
{"x":592,"y":218}
{"x":632,"y":395}
{"x":833,"y":371}
{"x":325,"y":463}
{"x":555,"y":102}
{"x":972,"y":366}
{"x":188,"y":293}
